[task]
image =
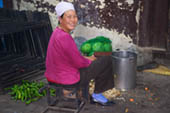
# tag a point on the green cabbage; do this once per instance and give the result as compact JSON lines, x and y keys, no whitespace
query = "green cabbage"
{"x":86,"y":48}
{"x":97,"y":44}
{"x":97,"y":47}
{"x":107,"y":47}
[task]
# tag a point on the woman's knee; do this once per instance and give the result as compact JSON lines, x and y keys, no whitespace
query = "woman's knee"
{"x":108,"y":59}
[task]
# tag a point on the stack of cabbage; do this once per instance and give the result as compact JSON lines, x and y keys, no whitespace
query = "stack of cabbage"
{"x":97,"y":44}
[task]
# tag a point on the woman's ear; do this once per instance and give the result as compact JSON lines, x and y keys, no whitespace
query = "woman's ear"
{"x":59,"y":20}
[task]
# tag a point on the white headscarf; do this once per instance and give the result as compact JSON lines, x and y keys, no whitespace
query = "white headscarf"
{"x":63,"y":7}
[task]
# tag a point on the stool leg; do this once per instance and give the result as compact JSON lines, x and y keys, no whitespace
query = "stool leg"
{"x":59,"y":93}
{"x":85,"y":92}
{"x":48,"y":96}
{"x":77,"y":98}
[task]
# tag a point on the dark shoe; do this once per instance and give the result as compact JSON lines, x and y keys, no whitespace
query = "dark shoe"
{"x":108,"y":103}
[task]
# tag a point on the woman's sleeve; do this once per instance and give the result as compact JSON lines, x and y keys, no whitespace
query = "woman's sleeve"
{"x":73,"y":54}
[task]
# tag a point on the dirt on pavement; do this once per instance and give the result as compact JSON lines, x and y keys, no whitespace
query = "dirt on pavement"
{"x":151,"y":95}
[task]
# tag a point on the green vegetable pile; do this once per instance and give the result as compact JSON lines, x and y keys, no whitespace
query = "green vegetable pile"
{"x":28,"y":91}
{"x":97,"y":44}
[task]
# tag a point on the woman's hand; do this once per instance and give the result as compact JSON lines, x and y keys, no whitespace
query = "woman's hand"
{"x":92,"y":58}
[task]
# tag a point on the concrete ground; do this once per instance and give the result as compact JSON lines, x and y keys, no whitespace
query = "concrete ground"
{"x":155,"y":99}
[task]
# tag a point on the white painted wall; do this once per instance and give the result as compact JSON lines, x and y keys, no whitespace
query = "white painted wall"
{"x":118,"y":40}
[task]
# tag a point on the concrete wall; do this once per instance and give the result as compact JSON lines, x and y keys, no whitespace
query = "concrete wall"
{"x":90,"y":26}
{"x":115,"y":19}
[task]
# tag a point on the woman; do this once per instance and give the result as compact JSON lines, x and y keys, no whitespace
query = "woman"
{"x":65,"y":64}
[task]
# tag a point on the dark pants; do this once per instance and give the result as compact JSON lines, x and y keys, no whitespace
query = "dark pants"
{"x":101,"y":70}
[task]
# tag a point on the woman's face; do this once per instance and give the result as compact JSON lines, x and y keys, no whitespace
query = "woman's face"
{"x":69,"y":20}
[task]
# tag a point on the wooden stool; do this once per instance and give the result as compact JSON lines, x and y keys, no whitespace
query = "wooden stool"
{"x":74,"y":89}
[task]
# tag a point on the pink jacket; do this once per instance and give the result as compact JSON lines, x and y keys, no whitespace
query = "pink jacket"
{"x":63,"y":59}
